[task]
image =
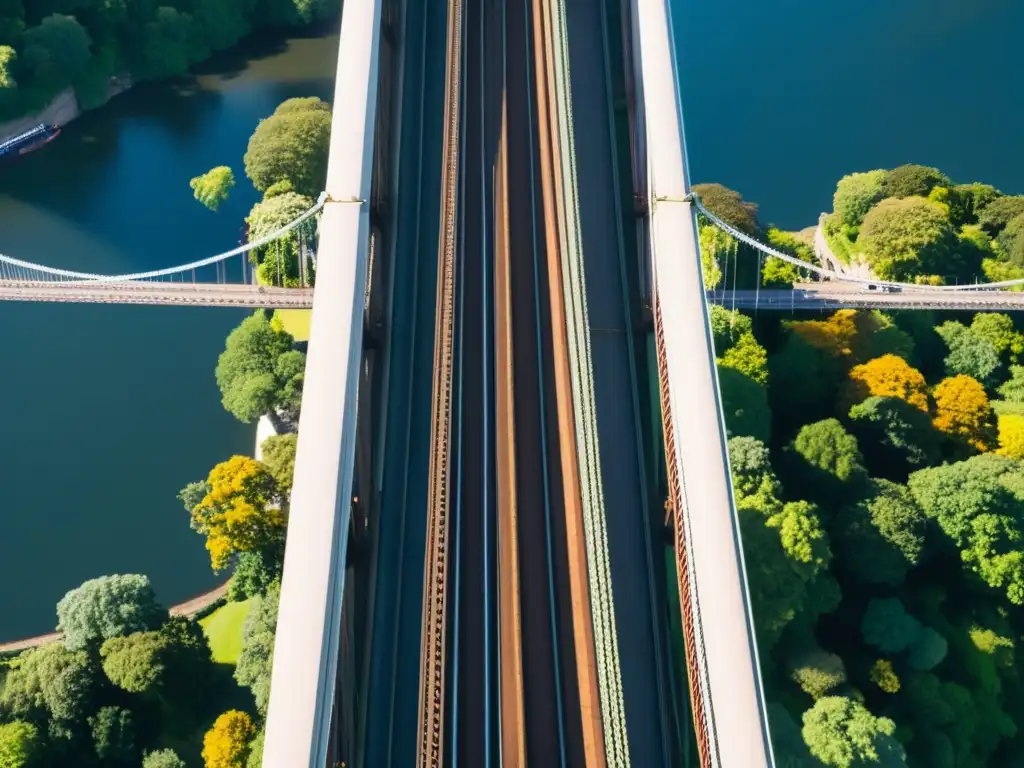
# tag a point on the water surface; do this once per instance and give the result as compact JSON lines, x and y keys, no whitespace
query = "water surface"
{"x":109,"y":410}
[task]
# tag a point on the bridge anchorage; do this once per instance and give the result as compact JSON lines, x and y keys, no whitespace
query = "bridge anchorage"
{"x":275,"y":269}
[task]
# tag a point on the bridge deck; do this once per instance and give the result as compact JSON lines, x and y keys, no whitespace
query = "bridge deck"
{"x":158,"y":293}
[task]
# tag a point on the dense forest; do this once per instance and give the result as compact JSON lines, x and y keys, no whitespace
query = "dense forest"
{"x":878,"y":466}
{"x":49,"y":45}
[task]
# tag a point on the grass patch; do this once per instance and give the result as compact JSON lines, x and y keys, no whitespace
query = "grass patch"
{"x":223,"y":629}
{"x":295,"y":322}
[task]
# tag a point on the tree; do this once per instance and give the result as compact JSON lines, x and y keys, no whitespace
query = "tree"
{"x":886,"y":376}
{"x":56,"y":51}
{"x":877,"y":540}
{"x":212,"y":188}
{"x":969,"y":353}
{"x":1000,"y":212}
{"x":962,"y":410}
{"x":887,"y":626}
{"x":894,"y":435}
{"x":843,"y":733}
{"x":279,"y":459}
{"x":291,"y":144}
{"x":8,"y":85}
{"x":49,"y":679}
{"x":801,"y":382}
{"x":971,"y":199}
{"x":192,"y":494}
{"x":750,"y":465}
{"x":816,"y":671}
{"x":279,"y":261}
{"x":1013,"y":389}
{"x":928,"y":650}
{"x":714,"y":245}
{"x":727,"y":327}
{"x":226,"y":744}
{"x":246,"y":369}
{"x":729,"y":206}
{"x":1011,"y":436}
{"x":256,"y":751}
{"x":134,"y":662}
{"x":902,"y":238}
{"x":833,"y":336}
{"x":113,"y":736}
{"x":826,"y":464}
{"x":747,"y":357}
{"x":19,"y":744}
{"x":1011,"y":240}
{"x":787,"y":742}
{"x":107,"y":607}
{"x":256,"y":659}
{"x":745,"y":404}
{"x":856,"y":194}
{"x":254,"y":573}
{"x":167,"y":48}
{"x":997,"y":329}
{"x":163,"y":758}
{"x":914,"y":180}
{"x":240,"y":513}
{"x":977,"y":503}
{"x":884,"y":676}
{"x":188,"y":665}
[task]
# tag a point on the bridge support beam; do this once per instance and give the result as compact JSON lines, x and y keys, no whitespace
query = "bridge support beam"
{"x":309,"y":617}
{"x":726,"y":683}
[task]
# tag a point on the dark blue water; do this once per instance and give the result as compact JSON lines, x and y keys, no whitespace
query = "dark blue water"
{"x":782,"y":98}
{"x":108,"y":411}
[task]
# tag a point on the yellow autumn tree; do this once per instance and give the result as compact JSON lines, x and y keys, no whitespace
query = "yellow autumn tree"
{"x":241,"y":511}
{"x":1011,"y":436}
{"x":226,"y":744}
{"x":886,"y":376}
{"x":963,"y":411}
{"x":833,"y":336}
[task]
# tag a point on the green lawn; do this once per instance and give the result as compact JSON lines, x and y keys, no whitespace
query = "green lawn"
{"x":296,"y":322}
{"x":223,"y":629}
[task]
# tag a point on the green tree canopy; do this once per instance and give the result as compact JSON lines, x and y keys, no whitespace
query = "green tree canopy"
{"x":979,"y":505}
{"x":895,"y":436}
{"x":1013,"y":389}
{"x":727,"y":327}
{"x":291,"y":144}
{"x":787,"y":741}
{"x":163,"y":758}
{"x":50,"y":679}
{"x":246,"y":370}
{"x":928,"y":650}
{"x":826,"y":464}
{"x":1011,"y":240}
{"x":745,"y":404}
{"x":905,"y":237}
{"x":998,"y":213}
{"x":748,"y":357}
{"x":913,"y":181}
{"x":213,"y":187}
{"x":842,"y":733}
{"x":254,"y":572}
{"x":877,"y":540}
{"x":856,"y":194}
{"x":107,"y":607}
{"x":816,"y":671}
{"x":997,"y":329}
{"x":55,"y":51}
{"x":256,"y":660}
{"x":279,"y":259}
{"x":969,"y":354}
{"x":19,"y":744}
{"x":134,"y":662}
{"x":113,"y":734}
{"x":729,"y":206}
{"x":279,"y":459}
{"x":802,"y":381}
{"x":887,"y":626}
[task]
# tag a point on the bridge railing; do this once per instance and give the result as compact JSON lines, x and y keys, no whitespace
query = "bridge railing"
{"x":309,"y":617}
{"x":722,"y":650}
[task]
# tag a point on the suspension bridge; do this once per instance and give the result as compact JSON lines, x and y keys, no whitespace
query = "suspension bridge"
{"x":274,"y":271}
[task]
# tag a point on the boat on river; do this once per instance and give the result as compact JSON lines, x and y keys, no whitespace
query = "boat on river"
{"x":30,"y":140}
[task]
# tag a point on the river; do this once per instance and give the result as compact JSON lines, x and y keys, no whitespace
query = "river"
{"x":783,"y":98}
{"x":109,"y":410}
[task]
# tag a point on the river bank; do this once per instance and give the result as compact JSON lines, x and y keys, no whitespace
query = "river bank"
{"x":62,"y":110}
{"x":189,"y":608}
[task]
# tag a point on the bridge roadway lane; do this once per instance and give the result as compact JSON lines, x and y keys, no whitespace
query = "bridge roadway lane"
{"x":157,"y":292}
{"x":842,"y":297}
{"x":617,"y":409}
